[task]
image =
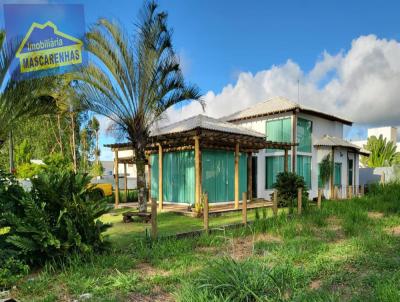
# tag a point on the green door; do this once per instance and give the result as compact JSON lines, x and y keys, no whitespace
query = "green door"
{"x":218,"y":175}
{"x":154,"y":175}
{"x":338,"y":175}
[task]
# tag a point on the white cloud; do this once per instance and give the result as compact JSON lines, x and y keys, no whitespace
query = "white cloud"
{"x":362,"y":84}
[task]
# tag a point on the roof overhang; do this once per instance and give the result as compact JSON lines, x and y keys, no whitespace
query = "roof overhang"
{"x":208,"y":139}
{"x":296,"y":109}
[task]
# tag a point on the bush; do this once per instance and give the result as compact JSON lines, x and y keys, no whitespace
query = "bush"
{"x":229,"y":280}
{"x":29,"y":170}
{"x":287,"y":184}
{"x":57,"y":218}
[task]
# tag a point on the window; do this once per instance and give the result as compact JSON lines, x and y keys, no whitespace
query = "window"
{"x":338,"y":175}
{"x":304,"y":130}
{"x":350,"y":175}
{"x":273,"y":166}
{"x":278,"y":131}
{"x":304,"y":168}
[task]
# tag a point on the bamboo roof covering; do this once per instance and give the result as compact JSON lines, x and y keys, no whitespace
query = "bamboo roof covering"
{"x":212,"y":133}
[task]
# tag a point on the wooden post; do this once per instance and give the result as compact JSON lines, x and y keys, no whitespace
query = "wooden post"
{"x":299,"y":200}
{"x":250,"y":176}
{"x":205,"y":213}
{"x":294,"y":139}
{"x":154,"y":218}
{"x":319,"y":198}
{"x":237,"y":176}
{"x":197,"y":164}
{"x":125,"y":183}
{"x":335,"y":192}
{"x":362,"y":190}
{"x":244,"y":208}
{"x":286,"y":157}
{"x":350,"y":192}
{"x":332,"y":189}
{"x":116,"y":191}
{"x":160,"y":176}
{"x":149,"y":175}
{"x":275,"y":203}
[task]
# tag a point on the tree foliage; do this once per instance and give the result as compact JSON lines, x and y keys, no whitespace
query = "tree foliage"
{"x":59,"y":216}
{"x":382,"y":153}
{"x":325,"y":169}
{"x":287,"y":185}
{"x":134,"y":79}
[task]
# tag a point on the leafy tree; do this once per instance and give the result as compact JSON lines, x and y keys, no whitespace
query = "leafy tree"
{"x":134,"y":80}
{"x":23,"y":153}
{"x":97,"y":170}
{"x":325,"y":169}
{"x":383,"y":153}
{"x":20,"y":99}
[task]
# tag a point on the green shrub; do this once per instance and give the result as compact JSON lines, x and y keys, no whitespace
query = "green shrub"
{"x":287,"y":184}
{"x":28,"y":170}
{"x":58,"y":217}
{"x":228,"y":280}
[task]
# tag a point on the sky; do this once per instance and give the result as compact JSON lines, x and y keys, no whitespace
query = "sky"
{"x":342,"y":56}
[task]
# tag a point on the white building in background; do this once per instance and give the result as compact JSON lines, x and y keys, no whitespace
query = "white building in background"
{"x":388,"y":132}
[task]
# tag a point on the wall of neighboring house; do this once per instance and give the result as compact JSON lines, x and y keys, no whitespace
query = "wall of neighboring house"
{"x":320,"y":127}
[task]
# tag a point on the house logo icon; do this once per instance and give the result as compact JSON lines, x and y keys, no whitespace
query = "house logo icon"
{"x":45,"y":47}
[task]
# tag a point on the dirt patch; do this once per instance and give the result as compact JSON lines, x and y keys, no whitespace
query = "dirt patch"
{"x":147,"y":270}
{"x":316,"y":284}
{"x":334,"y":225}
{"x":394,"y":230}
{"x":157,"y":297}
{"x":243,"y":247}
{"x":207,"y":249}
{"x":375,"y":215}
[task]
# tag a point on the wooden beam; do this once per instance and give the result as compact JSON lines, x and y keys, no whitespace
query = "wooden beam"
{"x":299,"y":200}
{"x":149,"y":175}
{"x":154,"y":219}
{"x":125,"y":183}
{"x":244,"y":208}
{"x":237,"y":176}
{"x":275,"y":203}
{"x":197,"y":167}
{"x":286,"y":158}
{"x":250,"y":176}
{"x":294,"y":138}
{"x":205,"y":213}
{"x":319,"y":198}
{"x":116,"y":191}
{"x":160,"y":177}
{"x":332,"y":189}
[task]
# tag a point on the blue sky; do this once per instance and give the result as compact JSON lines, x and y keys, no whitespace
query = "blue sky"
{"x":220,"y":40}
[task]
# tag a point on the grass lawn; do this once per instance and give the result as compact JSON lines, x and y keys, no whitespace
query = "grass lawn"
{"x":348,"y":251}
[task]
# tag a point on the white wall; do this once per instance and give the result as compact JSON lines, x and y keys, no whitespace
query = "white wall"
{"x":390,"y":133}
{"x":321,"y":127}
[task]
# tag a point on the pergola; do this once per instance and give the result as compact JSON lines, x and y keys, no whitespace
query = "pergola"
{"x":199,"y":133}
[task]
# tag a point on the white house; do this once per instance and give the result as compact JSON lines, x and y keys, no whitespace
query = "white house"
{"x":317,"y":134}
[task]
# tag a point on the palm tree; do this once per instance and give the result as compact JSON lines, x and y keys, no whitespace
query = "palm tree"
{"x":383,"y":153}
{"x":134,"y":80}
{"x":95,"y":127}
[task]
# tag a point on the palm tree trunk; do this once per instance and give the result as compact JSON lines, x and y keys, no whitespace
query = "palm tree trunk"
{"x":141,"y":181}
{"x":60,"y":134}
{"x":73,"y":141}
{"x":97,"y":147}
{"x":11,"y":152}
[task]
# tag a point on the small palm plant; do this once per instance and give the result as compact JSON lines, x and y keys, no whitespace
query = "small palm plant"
{"x":134,"y":80}
{"x":383,"y":153}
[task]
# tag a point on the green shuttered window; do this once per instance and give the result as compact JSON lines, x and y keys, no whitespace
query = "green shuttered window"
{"x":304,"y":168}
{"x":279,"y":130}
{"x":273,"y":166}
{"x":218,"y":175}
{"x":338,"y":174}
{"x":304,"y":131}
{"x":178,"y":176}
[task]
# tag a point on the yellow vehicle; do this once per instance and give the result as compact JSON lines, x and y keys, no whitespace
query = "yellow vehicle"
{"x":105,"y":188}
